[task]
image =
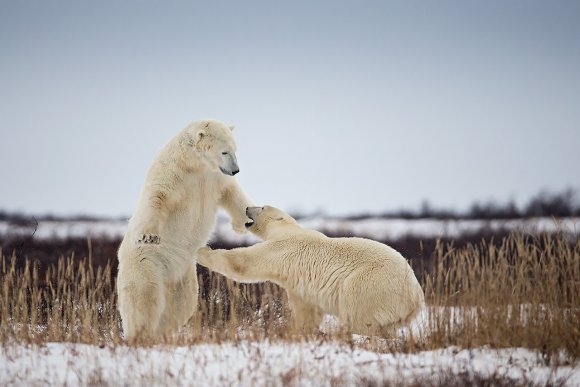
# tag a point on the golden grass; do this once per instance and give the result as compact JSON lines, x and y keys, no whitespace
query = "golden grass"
{"x":521,"y":292}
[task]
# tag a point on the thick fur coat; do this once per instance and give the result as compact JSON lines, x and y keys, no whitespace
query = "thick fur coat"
{"x":190,"y":178}
{"x":368,"y":285}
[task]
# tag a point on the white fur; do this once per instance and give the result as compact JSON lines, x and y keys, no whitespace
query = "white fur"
{"x":367,"y":284}
{"x":175,"y":214}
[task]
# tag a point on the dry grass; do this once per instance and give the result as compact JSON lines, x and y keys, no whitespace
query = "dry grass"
{"x":521,"y":292}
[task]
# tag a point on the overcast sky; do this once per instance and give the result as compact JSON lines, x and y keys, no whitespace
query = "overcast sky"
{"x":340,"y":106}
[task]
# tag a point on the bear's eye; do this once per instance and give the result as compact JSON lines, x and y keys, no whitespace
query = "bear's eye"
{"x":224,"y":153}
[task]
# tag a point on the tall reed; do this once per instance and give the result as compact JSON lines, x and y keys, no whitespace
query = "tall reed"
{"x":519,"y":291}
{"x":523,"y":291}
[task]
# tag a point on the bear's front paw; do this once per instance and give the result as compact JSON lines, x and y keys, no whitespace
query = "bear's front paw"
{"x":149,"y":239}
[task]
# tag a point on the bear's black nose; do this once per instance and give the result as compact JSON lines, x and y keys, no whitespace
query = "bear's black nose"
{"x":234,"y":172}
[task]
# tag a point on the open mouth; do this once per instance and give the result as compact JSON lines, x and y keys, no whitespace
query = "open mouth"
{"x":250,"y":221}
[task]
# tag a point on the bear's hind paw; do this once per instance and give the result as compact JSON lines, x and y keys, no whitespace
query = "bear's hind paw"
{"x":149,"y":239}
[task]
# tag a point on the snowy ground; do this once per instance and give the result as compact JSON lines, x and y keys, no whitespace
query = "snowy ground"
{"x":374,"y":228}
{"x":311,"y":363}
{"x":300,"y":363}
{"x":263,"y":363}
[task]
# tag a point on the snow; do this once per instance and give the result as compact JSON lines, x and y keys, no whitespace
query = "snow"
{"x":392,"y":229}
{"x":374,"y":228}
{"x":306,"y":363}
{"x":53,"y":229}
{"x":315,"y":362}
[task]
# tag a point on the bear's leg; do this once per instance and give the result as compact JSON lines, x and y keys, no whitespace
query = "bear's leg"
{"x":188,"y":299}
{"x":235,"y":202}
{"x":181,"y":302}
{"x":359,"y":302}
{"x":141,"y":303}
{"x":361,"y":321}
{"x":306,"y":317}
{"x":243,"y":264}
{"x":364,"y":313}
{"x":389,"y":321}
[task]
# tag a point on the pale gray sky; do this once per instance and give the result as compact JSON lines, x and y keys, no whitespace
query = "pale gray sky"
{"x":341,"y":106}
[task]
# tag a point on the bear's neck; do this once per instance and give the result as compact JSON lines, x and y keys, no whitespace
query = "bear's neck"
{"x":283,"y":231}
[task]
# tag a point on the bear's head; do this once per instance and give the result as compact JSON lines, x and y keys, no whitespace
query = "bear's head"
{"x":214,"y":144}
{"x":267,"y":221}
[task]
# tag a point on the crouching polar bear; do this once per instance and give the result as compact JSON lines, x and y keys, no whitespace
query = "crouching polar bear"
{"x":189,"y":179}
{"x":368,"y":285}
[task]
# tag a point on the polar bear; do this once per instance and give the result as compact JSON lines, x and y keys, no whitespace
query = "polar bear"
{"x":189,"y":179}
{"x":367,"y":284}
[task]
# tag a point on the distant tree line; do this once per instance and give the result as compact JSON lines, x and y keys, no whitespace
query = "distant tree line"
{"x":545,"y":204}
{"x":559,"y":204}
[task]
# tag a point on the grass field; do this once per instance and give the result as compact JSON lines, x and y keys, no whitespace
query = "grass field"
{"x":522,"y":291}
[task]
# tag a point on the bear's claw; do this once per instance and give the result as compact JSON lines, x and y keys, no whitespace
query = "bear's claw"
{"x":149,"y":239}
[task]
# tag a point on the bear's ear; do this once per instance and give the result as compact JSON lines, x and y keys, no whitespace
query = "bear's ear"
{"x":232,"y":127}
{"x":199,"y":136}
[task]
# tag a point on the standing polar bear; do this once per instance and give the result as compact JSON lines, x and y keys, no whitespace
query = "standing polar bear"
{"x":189,"y":179}
{"x":368,"y":285}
